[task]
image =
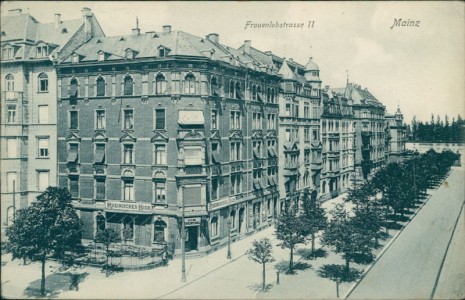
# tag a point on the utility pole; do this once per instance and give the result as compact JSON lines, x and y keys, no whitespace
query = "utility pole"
{"x":183,"y":246}
{"x":14,"y":201}
{"x":229,"y":237}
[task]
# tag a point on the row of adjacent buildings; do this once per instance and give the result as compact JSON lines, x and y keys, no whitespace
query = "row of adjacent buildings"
{"x":148,"y":129}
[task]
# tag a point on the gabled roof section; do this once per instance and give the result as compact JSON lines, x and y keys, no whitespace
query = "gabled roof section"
{"x":357,"y":94}
{"x":286,"y":72}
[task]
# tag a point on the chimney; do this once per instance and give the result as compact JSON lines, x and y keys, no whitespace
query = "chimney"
{"x":57,"y":20}
{"x":86,"y":15}
{"x":291,"y":59}
{"x":15,"y":12}
{"x":167,"y":28}
{"x":247,"y":45}
{"x":327,"y":88}
{"x":214,"y":37}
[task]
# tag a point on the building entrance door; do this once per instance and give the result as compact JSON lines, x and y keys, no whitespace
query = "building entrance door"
{"x":192,"y":238}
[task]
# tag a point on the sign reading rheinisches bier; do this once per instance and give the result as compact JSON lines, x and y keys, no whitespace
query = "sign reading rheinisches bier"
{"x":117,"y":205}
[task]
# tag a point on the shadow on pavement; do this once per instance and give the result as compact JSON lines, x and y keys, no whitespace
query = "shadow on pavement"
{"x":306,"y":253}
{"x":55,"y":283}
{"x":257,"y":287}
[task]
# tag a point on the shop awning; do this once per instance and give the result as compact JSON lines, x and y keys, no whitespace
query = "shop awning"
{"x":191,"y":117}
{"x":271,"y":151}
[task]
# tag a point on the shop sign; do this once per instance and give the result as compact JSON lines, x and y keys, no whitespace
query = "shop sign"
{"x":192,"y":221}
{"x":133,"y":206}
{"x":218,"y":204}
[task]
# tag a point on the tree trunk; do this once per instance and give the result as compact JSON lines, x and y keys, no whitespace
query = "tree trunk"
{"x":337,"y":289}
{"x":263,"y":277}
{"x":291,"y":263}
{"x":313,"y":245}
{"x":347,"y":264}
{"x":42,"y":283}
{"x":108,"y":246}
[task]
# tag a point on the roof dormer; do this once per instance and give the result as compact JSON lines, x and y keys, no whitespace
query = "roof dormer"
{"x":163,"y":51}
{"x":102,"y":55}
{"x":129,"y":53}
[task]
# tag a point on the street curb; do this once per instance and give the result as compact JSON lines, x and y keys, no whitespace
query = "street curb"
{"x":388,"y":245}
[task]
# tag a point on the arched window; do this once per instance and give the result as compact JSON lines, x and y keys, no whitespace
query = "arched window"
{"x":254,"y":92}
{"x":231,"y":89}
{"x":160,"y":84}
{"x":232,"y":219}
{"x":189,"y":84}
{"x":214,"y":227}
{"x":73,"y":88}
{"x":214,"y":87}
{"x":128,"y":86}
{"x":128,"y":229}
{"x":10,"y":82}
{"x":100,"y":222}
{"x":100,"y":92}
{"x":43,"y":82}
{"x":159,"y":231}
{"x":239,"y":94}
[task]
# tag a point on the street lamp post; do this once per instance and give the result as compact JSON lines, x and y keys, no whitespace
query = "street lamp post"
{"x":183,"y":246}
{"x":229,"y":238}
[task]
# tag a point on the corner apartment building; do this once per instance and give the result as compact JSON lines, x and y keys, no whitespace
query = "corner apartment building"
{"x":28,"y":102}
{"x":337,"y":138}
{"x":300,"y":161}
{"x":369,"y":126}
{"x":157,"y":126}
{"x":396,"y":136}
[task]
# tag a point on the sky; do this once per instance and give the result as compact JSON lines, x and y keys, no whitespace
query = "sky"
{"x":420,"y":68}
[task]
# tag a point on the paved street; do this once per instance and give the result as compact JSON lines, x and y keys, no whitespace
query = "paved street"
{"x":409,"y":268}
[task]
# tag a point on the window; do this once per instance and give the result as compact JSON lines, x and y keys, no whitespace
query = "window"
{"x":288,"y":134}
{"x":159,"y":191}
{"x":12,"y":147}
{"x":99,"y":157}
{"x":306,"y":134}
{"x":189,"y":84}
{"x":43,"y":82}
{"x":214,"y":120}
{"x":128,"y":189}
{"x":100,"y":189}
{"x":128,"y":119}
{"x":42,"y":180}
{"x":235,"y":183}
{"x":11,"y":182}
{"x":160,"y":119}
{"x":7,"y":53}
{"x":214,"y":226}
{"x":254,"y":92}
{"x":100,"y":91}
{"x":315,"y":112}
{"x":101,"y":56}
{"x":161,"y":52}
{"x":231,"y":89}
{"x":239,"y":94}
{"x":128,"y":86}
{"x":128,"y":154}
{"x":306,"y":111}
{"x":214,"y":188}
{"x":73,"y":119}
{"x":315,"y":134}
{"x":74,"y":186}
{"x":129,"y":54}
{"x":100,"y":120}
{"x":11,"y":114}
{"x":257,"y":149}
{"x":235,"y":151}
{"x":235,"y":121}
{"x":256,"y":121}
{"x":271,"y":144}
{"x":192,"y":156}
{"x":288,"y":110}
{"x":159,"y":231}
{"x":160,"y":154}
{"x":41,"y":51}
{"x":10,"y":82}
{"x":270,"y":122}
{"x":73,"y":88}
{"x":232,"y":219}
{"x":75,"y":59}
{"x":128,"y":229}
{"x":307,"y":156}
{"x":43,"y":114}
{"x":100,"y":222}
{"x":160,"y":84}
{"x":73,"y":152}
{"x":214,"y":88}
{"x":42,"y":147}
{"x":296,"y":110}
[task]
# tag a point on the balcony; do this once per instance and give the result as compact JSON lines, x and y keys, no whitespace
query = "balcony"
{"x":12,"y":96}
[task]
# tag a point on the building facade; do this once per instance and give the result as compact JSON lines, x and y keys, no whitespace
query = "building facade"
{"x":28,"y":103}
{"x":158,"y":127}
{"x":337,"y":138}
{"x":396,"y":137}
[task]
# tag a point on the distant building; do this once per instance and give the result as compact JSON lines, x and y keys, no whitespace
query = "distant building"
{"x":338,"y":139}
{"x":153,"y":126}
{"x":396,"y":137}
{"x":28,"y":102}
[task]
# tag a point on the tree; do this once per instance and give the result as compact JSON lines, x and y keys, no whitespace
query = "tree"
{"x":313,"y":219}
{"x":345,"y":236}
{"x":261,"y":253}
{"x":50,"y":226}
{"x":290,"y":231}
{"x":338,"y":274}
{"x":107,"y":237}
